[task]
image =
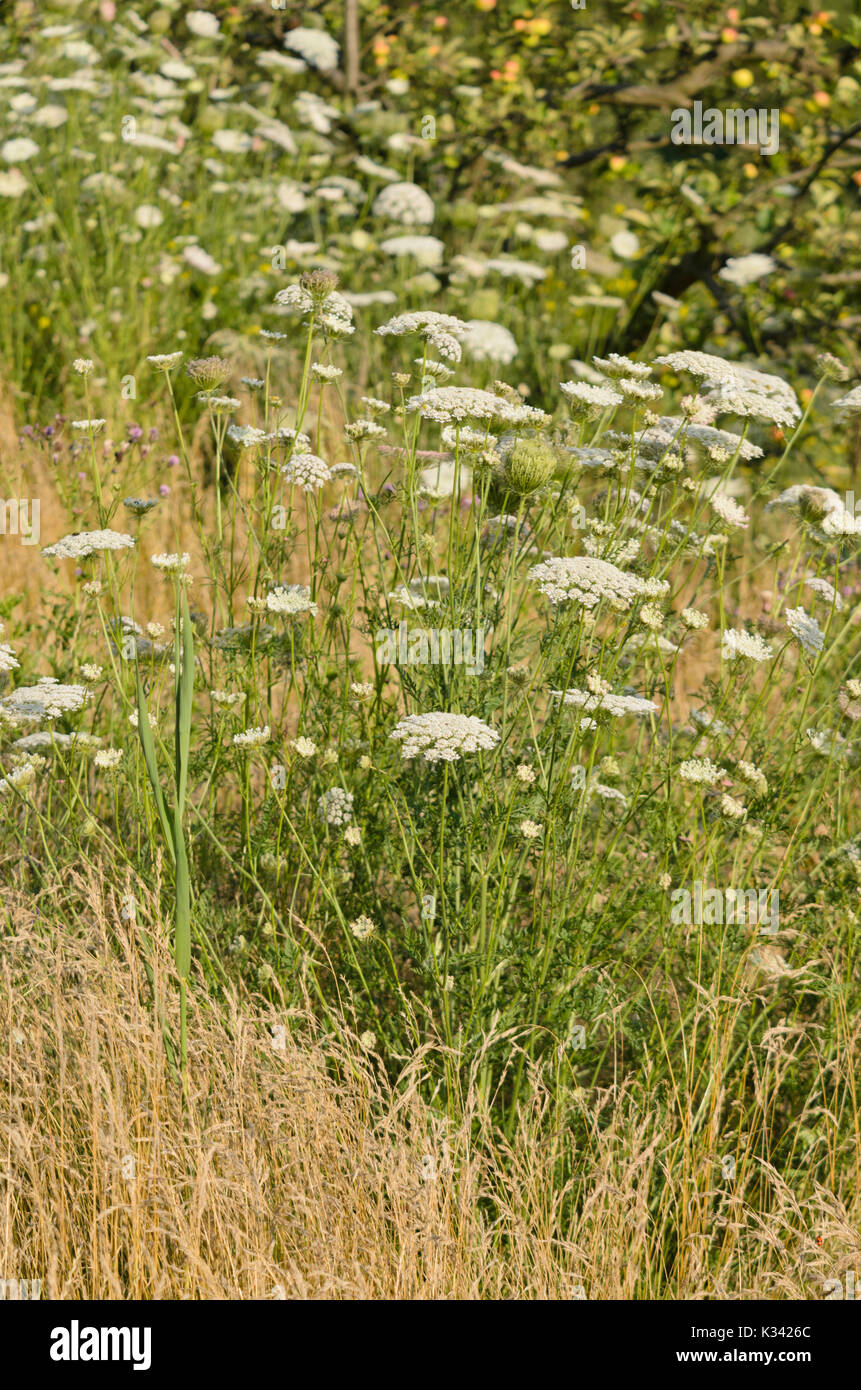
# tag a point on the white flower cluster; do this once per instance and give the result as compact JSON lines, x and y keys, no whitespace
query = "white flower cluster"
{"x":825,"y":591}
{"x":307,"y":471}
{"x":202,"y":24}
{"x":701,"y":771}
{"x":512,"y":268}
{"x":489,"y":342}
{"x":746,"y":270}
{"x":19,"y":777}
{"x":738,"y":643}
{"x":406,"y":204}
{"x":252,"y":738}
{"x":734,"y":389}
{"x":8,"y":661}
{"x":227,"y":698}
{"x":443,"y":737}
{"x":590,"y":400}
{"x":50,"y":738}
{"x":428,"y":251}
{"x":848,"y":405}
{"x":615,"y":365}
{"x":709,"y":437}
{"x":315,"y":47}
{"x":419,"y":322}
{"x":750,"y":773}
{"x":756,"y":396}
{"x":47,"y":700}
{"x":289,"y":599}
{"x":693,"y":618}
{"x":291,"y":438}
{"x":311,"y":110}
{"x":108,"y":758}
{"x":171,"y":564}
{"x":820,"y":506}
{"x":82,"y":543}
{"x":728,"y":509}
{"x":601,"y":697}
{"x":245,"y":436}
{"x":334,"y":313}
{"x":444,"y":333}
{"x":586,"y":580}
{"x":335,"y":806}
{"x":806,"y":630}
{"x":634,"y":390}
{"x":447,"y":403}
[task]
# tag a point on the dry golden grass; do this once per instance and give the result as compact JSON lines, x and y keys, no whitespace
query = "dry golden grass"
{"x":300,"y":1171}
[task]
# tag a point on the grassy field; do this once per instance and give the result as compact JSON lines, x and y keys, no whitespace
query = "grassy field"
{"x":429,"y":693}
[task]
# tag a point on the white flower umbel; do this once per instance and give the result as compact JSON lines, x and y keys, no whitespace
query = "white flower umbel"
{"x":427,"y":251}
{"x":202,"y":24}
{"x":82,"y":543}
{"x":49,"y":738}
{"x":693,"y":619}
{"x":827,"y":592}
{"x":304,"y":747}
{"x":7,"y":658}
{"x":442,"y":737}
{"x":606,"y":701}
{"x":307,"y":471}
{"x":738,"y":643}
{"x":198,"y":259}
{"x":485,"y":341}
{"x":334,"y":313}
{"x":746,"y":270}
{"x":821,"y":508}
{"x":290,"y":599}
{"x":246,"y":436}
{"x":404,"y":203}
{"x":806,"y":630}
{"x":728,"y":509}
{"x":19,"y":778}
{"x":614,"y":365}
{"x":315,"y":47}
{"x":171,"y":564}
{"x":446,"y":404}
{"x":47,"y":700}
{"x":252,"y":738}
{"x":587,"y":400}
{"x":701,"y":771}
{"x":335,"y":806}
{"x":848,"y":405}
{"x":706,"y":437}
{"x":108,"y":758}
{"x":754,"y":777}
{"x":586,"y":580}
{"x":424,"y":321}
{"x":734,"y":389}
{"x":227,"y":698}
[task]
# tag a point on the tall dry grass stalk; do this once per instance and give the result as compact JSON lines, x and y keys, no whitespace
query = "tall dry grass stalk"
{"x":297,"y":1169}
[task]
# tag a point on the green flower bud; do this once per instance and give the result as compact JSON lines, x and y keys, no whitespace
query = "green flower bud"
{"x":530,"y":464}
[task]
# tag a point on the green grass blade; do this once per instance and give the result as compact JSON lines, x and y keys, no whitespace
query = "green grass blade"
{"x":185,"y":699}
{"x":148,"y":745}
{"x":182,"y":943}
